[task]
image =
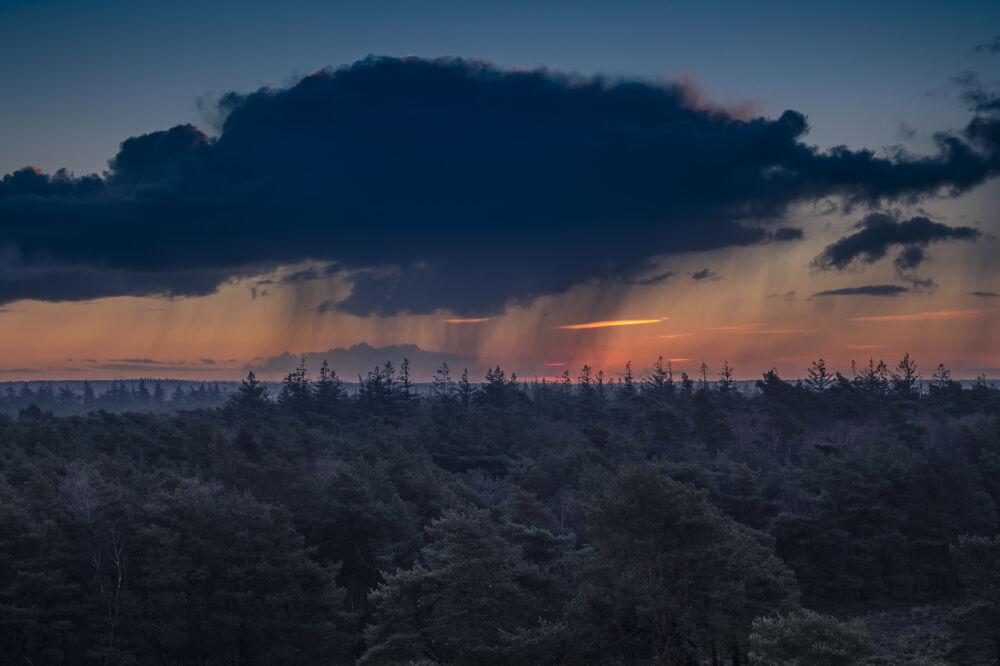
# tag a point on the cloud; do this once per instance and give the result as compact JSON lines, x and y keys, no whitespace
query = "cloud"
{"x":19,"y":371}
{"x":974,"y":93}
{"x":787,"y":296}
{"x":431,"y":183}
{"x":144,"y":361}
{"x":867,"y":290}
{"x":776,"y":331}
{"x":938,"y":314}
{"x":705,"y":274}
{"x":651,"y":281}
{"x":992,"y":46}
{"x":612,"y":323}
{"x":144,"y":367}
{"x":909,"y":258}
{"x":984,"y":294}
{"x":326,"y":306}
{"x":360,"y":358}
{"x":878,"y":232}
{"x":785,"y":234}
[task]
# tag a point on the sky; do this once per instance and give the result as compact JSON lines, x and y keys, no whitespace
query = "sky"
{"x":194,"y":191}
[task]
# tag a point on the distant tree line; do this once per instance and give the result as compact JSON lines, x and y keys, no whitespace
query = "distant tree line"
{"x":120,"y":396}
{"x":650,"y":519}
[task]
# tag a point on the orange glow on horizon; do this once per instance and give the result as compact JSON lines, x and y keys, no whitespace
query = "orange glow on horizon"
{"x":865,"y":346}
{"x":605,"y":324}
{"x":938,"y":314}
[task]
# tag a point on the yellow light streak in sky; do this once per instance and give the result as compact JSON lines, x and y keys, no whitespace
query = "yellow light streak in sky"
{"x":605,"y":324}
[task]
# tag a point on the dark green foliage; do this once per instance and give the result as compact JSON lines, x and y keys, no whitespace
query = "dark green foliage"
{"x":464,"y":602}
{"x":670,"y":578}
{"x":978,"y":623}
{"x":805,"y":638}
{"x":577,"y":521}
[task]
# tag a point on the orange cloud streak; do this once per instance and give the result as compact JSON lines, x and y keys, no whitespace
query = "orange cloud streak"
{"x":777,"y":331}
{"x":737,"y":327}
{"x":939,"y":314}
{"x":473,"y":320}
{"x":617,"y":322}
{"x":675,"y":335}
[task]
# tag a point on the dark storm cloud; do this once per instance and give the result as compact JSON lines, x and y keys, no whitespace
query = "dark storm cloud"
{"x":785,"y":234}
{"x":909,"y":258}
{"x":653,"y":280}
{"x":442,"y":184}
{"x":984,"y":294}
{"x":878,"y":232}
{"x":867,"y":290}
{"x":705,"y":274}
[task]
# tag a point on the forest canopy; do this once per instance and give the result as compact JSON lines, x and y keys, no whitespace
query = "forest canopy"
{"x":649,"y":519}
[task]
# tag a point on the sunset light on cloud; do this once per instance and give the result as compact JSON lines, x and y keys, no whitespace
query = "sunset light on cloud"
{"x":940,"y":314}
{"x":240,"y":257}
{"x":608,"y":324}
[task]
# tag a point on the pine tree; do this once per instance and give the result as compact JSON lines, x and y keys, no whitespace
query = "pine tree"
{"x":296,"y":392}
{"x":469,"y":589}
{"x":250,"y":396}
{"x":329,"y":391}
{"x":465,"y":390}
{"x":88,"y":394}
{"x":442,"y":384}
{"x":819,"y":378}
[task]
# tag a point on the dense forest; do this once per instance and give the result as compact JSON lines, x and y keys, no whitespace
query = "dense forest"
{"x":644,"y":520}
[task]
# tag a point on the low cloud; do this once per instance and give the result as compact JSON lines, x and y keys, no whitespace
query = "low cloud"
{"x":705,"y":274}
{"x":360,"y":358}
{"x":937,"y":314}
{"x":867,"y":290}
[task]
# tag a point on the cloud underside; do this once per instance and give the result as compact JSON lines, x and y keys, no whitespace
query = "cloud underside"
{"x":867,"y":290}
{"x":443,"y":184}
